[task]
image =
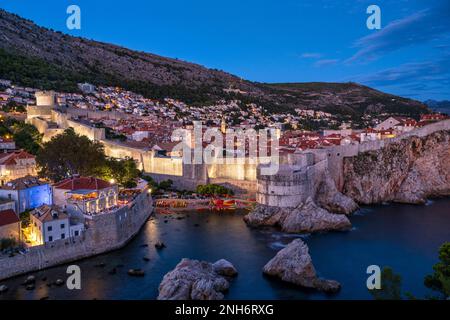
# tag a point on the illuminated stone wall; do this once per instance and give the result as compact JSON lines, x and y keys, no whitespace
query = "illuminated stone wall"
{"x":105,"y":233}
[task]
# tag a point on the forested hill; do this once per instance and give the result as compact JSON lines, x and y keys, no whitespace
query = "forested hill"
{"x":34,"y":56}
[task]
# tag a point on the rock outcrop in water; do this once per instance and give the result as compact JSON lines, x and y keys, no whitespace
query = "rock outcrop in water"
{"x":328,"y":197}
{"x":224,"y":268}
{"x":196,"y":280}
{"x":293,"y":264}
{"x":408,"y":171}
{"x":306,"y":218}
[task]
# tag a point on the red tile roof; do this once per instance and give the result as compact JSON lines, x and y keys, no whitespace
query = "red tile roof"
{"x":23,"y":183}
{"x":76,"y":183}
{"x":47,"y":213}
{"x":10,"y":158}
{"x":8,"y":217}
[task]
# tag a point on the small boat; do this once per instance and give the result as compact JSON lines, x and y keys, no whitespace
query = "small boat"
{"x":160,"y":245}
{"x":136,"y":273}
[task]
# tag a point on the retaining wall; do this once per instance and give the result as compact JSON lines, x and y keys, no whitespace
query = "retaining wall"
{"x":105,"y":232}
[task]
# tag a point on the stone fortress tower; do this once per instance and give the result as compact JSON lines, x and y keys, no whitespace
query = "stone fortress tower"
{"x":45,"y":103}
{"x":295,"y":181}
{"x":45,"y":98}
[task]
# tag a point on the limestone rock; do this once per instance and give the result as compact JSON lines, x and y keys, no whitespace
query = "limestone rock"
{"x":293,"y":264}
{"x":224,"y":268}
{"x":329,"y":198}
{"x":406,"y":171}
{"x":306,"y":218}
{"x":196,"y":280}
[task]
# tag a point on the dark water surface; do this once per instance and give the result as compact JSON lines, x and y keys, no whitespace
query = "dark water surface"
{"x":404,"y":237}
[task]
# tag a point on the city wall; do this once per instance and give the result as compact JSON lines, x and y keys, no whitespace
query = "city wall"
{"x":298,"y":179}
{"x":236,"y":176}
{"x":105,"y":233}
{"x":336,"y":154}
{"x":97,"y":115}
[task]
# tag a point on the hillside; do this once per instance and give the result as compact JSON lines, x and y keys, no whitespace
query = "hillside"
{"x":439,"y":106}
{"x":35,"y":56}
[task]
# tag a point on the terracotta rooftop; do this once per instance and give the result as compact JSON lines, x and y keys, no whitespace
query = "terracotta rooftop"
{"x":11,"y":158}
{"x":8,"y":217}
{"x":47,"y":213}
{"x":85,"y":183}
{"x":23,"y":183}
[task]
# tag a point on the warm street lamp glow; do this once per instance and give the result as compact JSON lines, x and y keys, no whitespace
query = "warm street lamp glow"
{"x":112,"y":181}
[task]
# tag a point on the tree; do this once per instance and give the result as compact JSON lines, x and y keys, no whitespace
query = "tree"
{"x":14,"y":106}
{"x":25,"y":218}
{"x":27,"y":137}
{"x":166,"y":184}
{"x":391,"y":284}
{"x":440,"y":280}
{"x":124,"y":171}
{"x":8,"y":243}
{"x":213,"y":189}
{"x":68,"y":154}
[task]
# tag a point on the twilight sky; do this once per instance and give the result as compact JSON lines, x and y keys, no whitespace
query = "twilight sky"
{"x":277,"y":40}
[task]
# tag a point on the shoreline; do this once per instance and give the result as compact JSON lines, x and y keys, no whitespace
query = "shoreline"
{"x":175,"y":205}
{"x":184,"y":238}
{"x":109,"y":232}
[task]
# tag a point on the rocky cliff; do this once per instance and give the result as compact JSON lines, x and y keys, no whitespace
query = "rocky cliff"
{"x":408,"y":171}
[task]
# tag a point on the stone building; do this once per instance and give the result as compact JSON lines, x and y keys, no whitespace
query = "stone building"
{"x":9,"y":225}
{"x":51,"y":223}
{"x":27,"y":192}
{"x":86,"y":196}
{"x":17,"y":164}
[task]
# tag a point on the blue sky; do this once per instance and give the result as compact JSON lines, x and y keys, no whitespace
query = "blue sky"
{"x":277,"y":40}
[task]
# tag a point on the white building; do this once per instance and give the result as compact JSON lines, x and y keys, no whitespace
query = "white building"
{"x":389,"y":123}
{"x":85,"y":195}
{"x":140,"y":135}
{"x":86,"y":87}
{"x":51,"y":223}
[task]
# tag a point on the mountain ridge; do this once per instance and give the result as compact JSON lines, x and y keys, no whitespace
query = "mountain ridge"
{"x":47,"y":59}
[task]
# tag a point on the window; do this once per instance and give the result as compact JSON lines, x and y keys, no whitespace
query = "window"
{"x":50,"y":239}
{"x":49,"y":228}
{"x":62,"y":225}
{"x":63,"y":235}
{"x":77,"y":233}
